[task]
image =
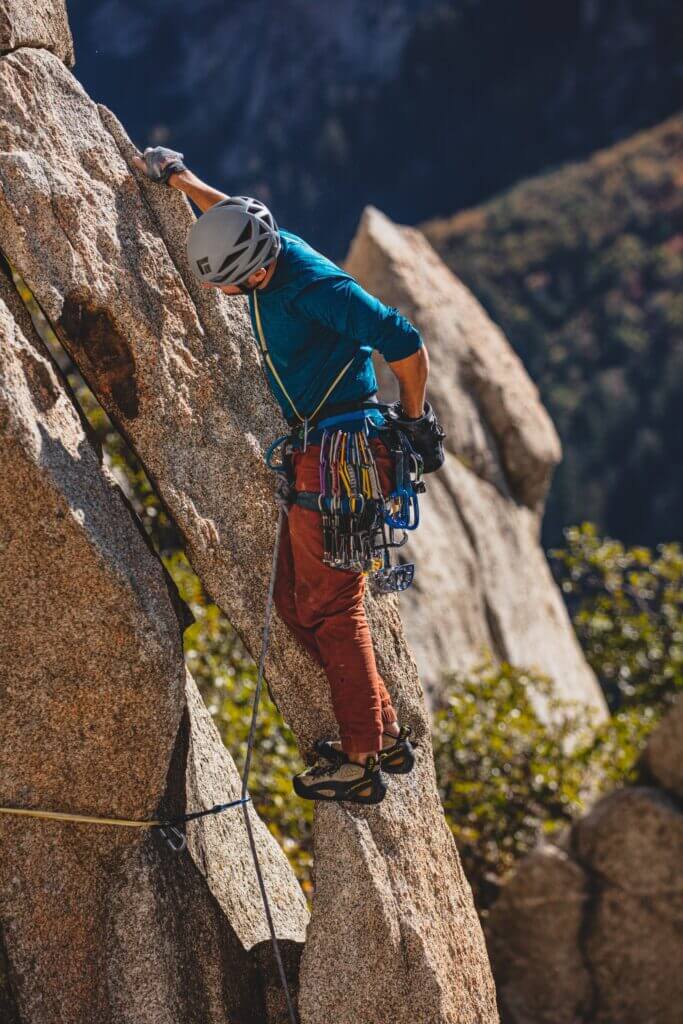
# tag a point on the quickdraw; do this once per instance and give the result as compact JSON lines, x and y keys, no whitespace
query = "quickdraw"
{"x":360,"y":524}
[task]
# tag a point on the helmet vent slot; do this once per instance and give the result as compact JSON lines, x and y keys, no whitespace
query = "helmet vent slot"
{"x":228,"y":261}
{"x":259,"y":246}
{"x":246,"y":234}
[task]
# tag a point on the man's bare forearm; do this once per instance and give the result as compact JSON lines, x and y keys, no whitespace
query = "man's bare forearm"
{"x":412,"y":373}
{"x":197,"y":190}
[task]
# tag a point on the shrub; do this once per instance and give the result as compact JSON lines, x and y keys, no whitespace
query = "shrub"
{"x":507,"y":777}
{"x":627,"y":609}
{"x":226,"y":676}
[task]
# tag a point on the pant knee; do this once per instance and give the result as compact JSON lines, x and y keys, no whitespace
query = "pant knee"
{"x":318,"y":602}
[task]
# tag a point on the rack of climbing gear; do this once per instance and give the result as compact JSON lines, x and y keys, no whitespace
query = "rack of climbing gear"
{"x":360,"y":524}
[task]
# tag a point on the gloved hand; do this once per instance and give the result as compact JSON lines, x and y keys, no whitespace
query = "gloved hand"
{"x":283,"y":493}
{"x":424,"y":433}
{"x":159,"y":163}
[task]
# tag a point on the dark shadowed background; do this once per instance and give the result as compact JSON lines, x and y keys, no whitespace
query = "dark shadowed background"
{"x":426,"y":109}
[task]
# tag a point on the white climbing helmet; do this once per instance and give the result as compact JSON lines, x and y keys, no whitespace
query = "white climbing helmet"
{"x":231,"y":240}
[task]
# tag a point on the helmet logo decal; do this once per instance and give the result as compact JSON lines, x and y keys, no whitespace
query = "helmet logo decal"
{"x":204,"y":265}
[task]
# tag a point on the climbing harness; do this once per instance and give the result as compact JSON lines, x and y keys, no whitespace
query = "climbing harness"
{"x":360,"y":524}
{"x":267,"y":359}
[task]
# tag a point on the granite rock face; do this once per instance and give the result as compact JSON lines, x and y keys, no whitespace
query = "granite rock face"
{"x":482,"y":580}
{"x":99,"y":716}
{"x":663,"y":756}
{"x":394,"y":934}
{"x":39,"y":23}
{"x":540,"y":972}
{"x":594,"y":934}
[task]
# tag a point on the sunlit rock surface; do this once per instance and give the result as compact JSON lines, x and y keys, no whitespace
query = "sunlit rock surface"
{"x":394,"y":934}
{"x":594,"y":934}
{"x":40,"y":23}
{"x":99,"y":716}
{"x":482,"y":581}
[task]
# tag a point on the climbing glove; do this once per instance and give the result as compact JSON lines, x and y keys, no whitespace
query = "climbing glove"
{"x":161,"y":163}
{"x":424,"y":433}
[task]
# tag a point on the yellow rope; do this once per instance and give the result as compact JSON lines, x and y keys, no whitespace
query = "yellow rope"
{"x":82,"y":818}
{"x":271,"y":365}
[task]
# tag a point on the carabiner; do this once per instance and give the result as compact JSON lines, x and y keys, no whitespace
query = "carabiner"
{"x":176,"y":839}
{"x":268,"y":457}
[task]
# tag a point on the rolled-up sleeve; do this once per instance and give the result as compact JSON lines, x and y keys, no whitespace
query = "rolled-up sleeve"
{"x":342,"y":305}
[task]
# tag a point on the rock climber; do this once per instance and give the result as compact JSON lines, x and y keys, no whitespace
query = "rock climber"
{"x":321,"y":328}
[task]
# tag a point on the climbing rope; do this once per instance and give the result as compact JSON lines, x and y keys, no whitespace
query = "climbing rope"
{"x":168,"y":827}
{"x":247,"y":767}
{"x":91,"y":819}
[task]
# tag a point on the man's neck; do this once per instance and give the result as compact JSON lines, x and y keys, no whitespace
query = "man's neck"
{"x":269,"y":274}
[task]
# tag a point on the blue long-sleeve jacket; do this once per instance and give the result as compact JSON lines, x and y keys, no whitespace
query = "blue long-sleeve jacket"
{"x":314,"y":319}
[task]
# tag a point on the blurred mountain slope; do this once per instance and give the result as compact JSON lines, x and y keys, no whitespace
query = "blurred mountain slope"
{"x":417,"y":106}
{"x":583,"y":269}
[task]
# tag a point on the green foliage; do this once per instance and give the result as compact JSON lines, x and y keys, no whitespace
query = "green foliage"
{"x":627,"y":608}
{"x":226,"y":676}
{"x":583,"y":269}
{"x":503,"y":776}
{"x":506,"y":776}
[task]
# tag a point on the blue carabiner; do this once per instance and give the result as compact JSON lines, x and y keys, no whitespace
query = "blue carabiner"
{"x":409,"y":516}
{"x":267,"y":458}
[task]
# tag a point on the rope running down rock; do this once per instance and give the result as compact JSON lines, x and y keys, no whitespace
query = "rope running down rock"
{"x":168,"y":824}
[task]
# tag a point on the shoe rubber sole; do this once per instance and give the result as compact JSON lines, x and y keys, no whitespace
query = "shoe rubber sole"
{"x":366,"y":792}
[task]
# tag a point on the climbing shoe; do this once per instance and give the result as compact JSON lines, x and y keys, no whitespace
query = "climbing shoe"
{"x":334,"y":777}
{"x":397,"y":756}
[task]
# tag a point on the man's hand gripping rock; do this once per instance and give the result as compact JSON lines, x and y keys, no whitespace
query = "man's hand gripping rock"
{"x":159,"y":163}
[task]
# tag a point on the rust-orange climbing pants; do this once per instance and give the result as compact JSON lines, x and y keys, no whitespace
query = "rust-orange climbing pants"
{"x":324,"y":609}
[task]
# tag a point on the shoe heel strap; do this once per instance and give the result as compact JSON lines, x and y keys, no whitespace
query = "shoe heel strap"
{"x":403,"y":733}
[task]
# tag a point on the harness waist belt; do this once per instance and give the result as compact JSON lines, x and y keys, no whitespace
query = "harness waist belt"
{"x":307,"y":499}
{"x":335,"y":408}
